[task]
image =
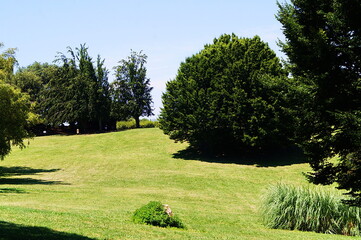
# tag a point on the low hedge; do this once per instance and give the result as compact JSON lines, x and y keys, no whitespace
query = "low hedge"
{"x":130,"y":124}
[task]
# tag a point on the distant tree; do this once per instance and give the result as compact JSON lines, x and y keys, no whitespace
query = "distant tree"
{"x":61,"y":98}
{"x":33,"y":78}
{"x":232,"y":95}
{"x":29,"y":82}
{"x":130,"y":90}
{"x":323,"y":44}
{"x":100,"y":97}
{"x":78,"y":91}
{"x":14,"y":107}
{"x":7,"y":64}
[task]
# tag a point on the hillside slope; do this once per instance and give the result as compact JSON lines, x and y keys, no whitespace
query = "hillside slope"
{"x":88,"y":186}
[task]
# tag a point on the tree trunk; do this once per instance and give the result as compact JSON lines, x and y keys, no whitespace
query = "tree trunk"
{"x":137,"y":122}
{"x":100,"y":125}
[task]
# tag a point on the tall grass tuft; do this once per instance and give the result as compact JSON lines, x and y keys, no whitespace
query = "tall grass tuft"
{"x":309,"y":209}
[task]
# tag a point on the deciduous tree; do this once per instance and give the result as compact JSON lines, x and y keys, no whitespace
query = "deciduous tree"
{"x":131,"y":89}
{"x":14,"y":107}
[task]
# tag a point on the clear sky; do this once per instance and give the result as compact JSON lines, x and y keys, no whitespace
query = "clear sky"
{"x":167,"y":31}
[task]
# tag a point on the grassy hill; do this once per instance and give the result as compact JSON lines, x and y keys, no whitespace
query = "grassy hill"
{"x":88,"y":186}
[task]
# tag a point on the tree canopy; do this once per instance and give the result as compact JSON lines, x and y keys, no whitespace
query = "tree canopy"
{"x":75,"y":90}
{"x":230,"y":96}
{"x":33,"y":78}
{"x":131,"y":89}
{"x":14,"y":105}
{"x":78,"y":91}
{"x":323,"y":44}
{"x":7,"y":64}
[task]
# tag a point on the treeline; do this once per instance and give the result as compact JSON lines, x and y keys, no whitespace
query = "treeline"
{"x":75,"y":91}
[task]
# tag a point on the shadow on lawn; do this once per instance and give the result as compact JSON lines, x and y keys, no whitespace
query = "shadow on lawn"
{"x":21,"y":232}
{"x":11,"y":190}
{"x":6,"y":172}
{"x":283,"y":157}
{"x":14,"y":171}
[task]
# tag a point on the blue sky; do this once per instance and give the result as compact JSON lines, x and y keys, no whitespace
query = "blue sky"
{"x":166,"y":31}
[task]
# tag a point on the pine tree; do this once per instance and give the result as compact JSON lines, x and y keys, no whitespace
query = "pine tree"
{"x":323,"y":44}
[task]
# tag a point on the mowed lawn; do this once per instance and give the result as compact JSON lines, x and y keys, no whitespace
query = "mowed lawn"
{"x":88,"y":186}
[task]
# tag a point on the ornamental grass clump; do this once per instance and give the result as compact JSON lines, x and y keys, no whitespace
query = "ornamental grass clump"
{"x":309,"y":209}
{"x":157,"y":214}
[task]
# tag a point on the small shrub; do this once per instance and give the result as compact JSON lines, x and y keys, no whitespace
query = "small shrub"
{"x":123,"y":125}
{"x":309,"y":209}
{"x":154,"y":213}
{"x":130,"y":124}
{"x":146,"y":123}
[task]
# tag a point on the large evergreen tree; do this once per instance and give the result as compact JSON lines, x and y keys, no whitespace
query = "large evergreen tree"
{"x":130,"y":90}
{"x":323,"y":44}
{"x":100,"y":100}
{"x":78,"y":91}
{"x":230,"y":96}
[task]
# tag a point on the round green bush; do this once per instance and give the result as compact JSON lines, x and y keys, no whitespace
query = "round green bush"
{"x":231,"y":96}
{"x":155,"y":213}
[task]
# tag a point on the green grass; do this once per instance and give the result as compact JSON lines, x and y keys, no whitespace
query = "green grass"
{"x":88,"y":186}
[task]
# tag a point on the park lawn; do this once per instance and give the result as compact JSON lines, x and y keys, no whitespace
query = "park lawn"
{"x":88,"y":186}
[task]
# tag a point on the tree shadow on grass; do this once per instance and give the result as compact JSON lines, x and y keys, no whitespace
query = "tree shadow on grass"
{"x":29,"y":181}
{"x":12,"y":190}
{"x":284,"y":157}
{"x":7,"y":172}
{"x":12,"y":231}
{"x":14,"y":171}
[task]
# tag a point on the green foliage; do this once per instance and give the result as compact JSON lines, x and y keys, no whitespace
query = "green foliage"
{"x":29,"y":82}
{"x":309,"y":209}
{"x":78,"y":91}
{"x":123,"y":125}
{"x":14,"y":107}
{"x":232,"y":95}
{"x":154,"y":214}
{"x":130,"y":90}
{"x":14,"y":116}
{"x":7,"y":64}
{"x":323,"y":40}
{"x":130,"y":124}
{"x":145,"y":123}
{"x":33,"y":78}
